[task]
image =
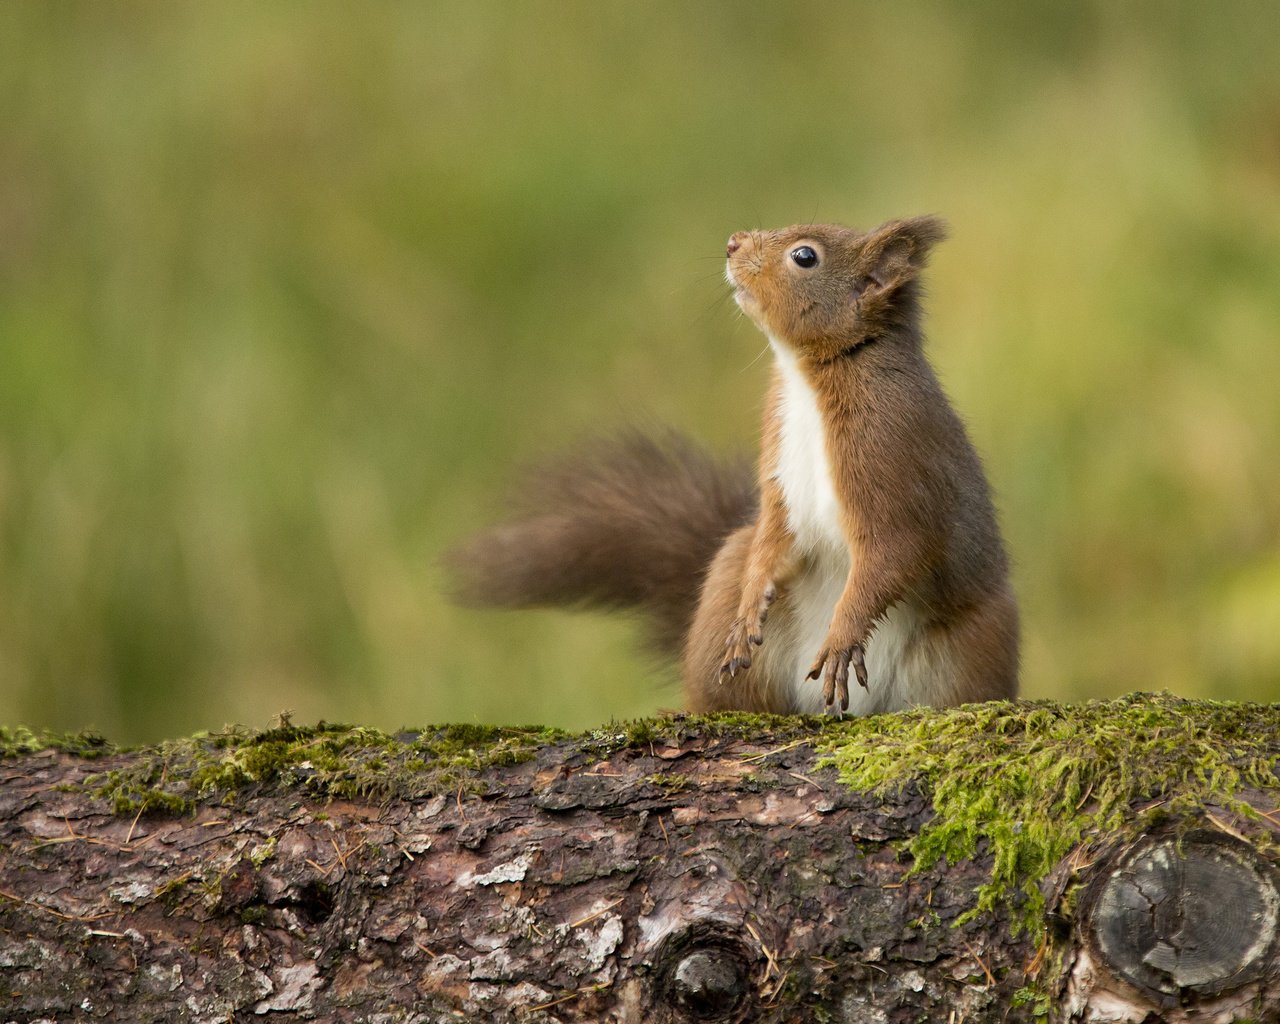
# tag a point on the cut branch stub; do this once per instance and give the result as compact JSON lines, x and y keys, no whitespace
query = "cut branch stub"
{"x":1195,"y":914}
{"x":709,"y":984}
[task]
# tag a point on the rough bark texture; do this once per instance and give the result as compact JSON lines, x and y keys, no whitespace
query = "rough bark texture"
{"x":681,"y":871}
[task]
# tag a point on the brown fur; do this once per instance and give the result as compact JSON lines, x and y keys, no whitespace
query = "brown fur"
{"x":639,"y":523}
{"x":916,"y":513}
{"x":628,"y":522}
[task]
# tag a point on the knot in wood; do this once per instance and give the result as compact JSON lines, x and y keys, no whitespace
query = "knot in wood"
{"x":1195,"y":914}
{"x":708,"y":984}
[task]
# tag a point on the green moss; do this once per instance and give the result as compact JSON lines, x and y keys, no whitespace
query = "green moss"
{"x":170,"y":894}
{"x":1039,"y":1002}
{"x":670,"y":784}
{"x":346,"y":762}
{"x":673,"y":730}
{"x":259,"y":855}
{"x":326,"y":760}
{"x":1027,"y":781}
{"x":17,"y":741}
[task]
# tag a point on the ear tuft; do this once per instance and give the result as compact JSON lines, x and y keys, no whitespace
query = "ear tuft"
{"x":898,"y":250}
{"x":926,"y":231}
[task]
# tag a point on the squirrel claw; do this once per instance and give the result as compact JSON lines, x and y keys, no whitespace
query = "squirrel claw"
{"x":836,"y":684}
{"x":738,"y":650}
{"x":746,"y":632}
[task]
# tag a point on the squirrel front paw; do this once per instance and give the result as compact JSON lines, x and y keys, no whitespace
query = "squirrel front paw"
{"x":746,"y":633}
{"x":837,"y":661}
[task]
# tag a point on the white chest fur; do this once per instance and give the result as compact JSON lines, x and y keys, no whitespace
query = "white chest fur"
{"x":804,"y":469}
{"x":896,"y":665}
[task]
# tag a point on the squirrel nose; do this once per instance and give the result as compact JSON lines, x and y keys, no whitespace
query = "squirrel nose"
{"x":735,"y":242}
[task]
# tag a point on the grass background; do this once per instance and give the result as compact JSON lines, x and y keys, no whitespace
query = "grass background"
{"x":288,"y":290}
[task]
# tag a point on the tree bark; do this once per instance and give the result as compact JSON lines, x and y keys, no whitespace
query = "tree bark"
{"x":707,"y":870}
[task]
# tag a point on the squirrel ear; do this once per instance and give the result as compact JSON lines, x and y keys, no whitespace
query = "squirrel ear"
{"x":896,"y":252}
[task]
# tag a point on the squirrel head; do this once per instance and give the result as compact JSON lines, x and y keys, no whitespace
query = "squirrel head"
{"x":823,"y":289}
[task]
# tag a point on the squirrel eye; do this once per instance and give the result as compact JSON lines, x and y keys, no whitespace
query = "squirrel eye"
{"x":803,"y":256}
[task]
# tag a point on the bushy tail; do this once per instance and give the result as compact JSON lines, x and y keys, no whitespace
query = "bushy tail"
{"x":631,"y":522}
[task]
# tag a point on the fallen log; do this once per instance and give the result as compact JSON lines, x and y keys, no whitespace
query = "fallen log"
{"x":1027,"y":861}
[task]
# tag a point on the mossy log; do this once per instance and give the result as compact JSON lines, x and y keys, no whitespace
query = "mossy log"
{"x":1111,"y":861}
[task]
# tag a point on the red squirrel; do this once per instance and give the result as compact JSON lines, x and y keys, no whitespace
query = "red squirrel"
{"x":867,"y":546}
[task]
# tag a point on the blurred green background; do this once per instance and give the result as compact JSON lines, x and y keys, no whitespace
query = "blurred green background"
{"x":288,"y":290}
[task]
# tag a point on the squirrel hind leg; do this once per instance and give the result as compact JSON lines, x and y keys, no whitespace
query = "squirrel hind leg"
{"x":706,"y":687}
{"x":978,"y":659}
